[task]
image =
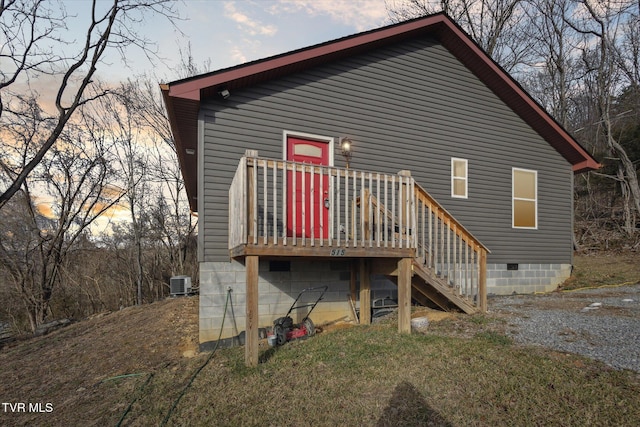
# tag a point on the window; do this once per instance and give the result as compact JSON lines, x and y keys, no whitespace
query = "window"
{"x":459,"y":178}
{"x":525,"y":198}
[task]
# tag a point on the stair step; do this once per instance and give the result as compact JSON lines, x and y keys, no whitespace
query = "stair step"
{"x":441,"y":284}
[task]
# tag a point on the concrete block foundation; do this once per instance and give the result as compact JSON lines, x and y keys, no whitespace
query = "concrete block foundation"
{"x":506,"y":279}
{"x":223,"y":283}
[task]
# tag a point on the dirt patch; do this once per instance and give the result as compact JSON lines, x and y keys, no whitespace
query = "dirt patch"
{"x":432,"y":315}
{"x":336,"y":326}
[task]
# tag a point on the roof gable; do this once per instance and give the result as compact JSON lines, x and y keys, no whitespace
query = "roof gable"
{"x":182,"y":98}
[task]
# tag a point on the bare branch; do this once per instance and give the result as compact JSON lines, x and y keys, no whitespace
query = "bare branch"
{"x":99,"y":36}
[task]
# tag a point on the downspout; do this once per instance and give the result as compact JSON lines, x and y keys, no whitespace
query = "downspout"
{"x":200,"y":186}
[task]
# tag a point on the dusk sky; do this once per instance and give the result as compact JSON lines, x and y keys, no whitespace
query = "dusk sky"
{"x":229,"y":33}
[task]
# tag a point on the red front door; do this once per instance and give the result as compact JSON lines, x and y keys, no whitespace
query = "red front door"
{"x":307,"y":212}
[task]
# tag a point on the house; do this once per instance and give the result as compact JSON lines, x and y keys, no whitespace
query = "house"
{"x":400,"y":162}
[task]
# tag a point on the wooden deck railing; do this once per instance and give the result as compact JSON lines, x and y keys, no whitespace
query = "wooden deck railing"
{"x":276,"y":204}
{"x":282,"y":203}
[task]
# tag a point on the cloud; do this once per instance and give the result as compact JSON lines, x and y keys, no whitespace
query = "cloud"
{"x":265,"y":28}
{"x":237,"y":56}
{"x":360,"y":14}
{"x":43,"y":206}
{"x":247,"y":24}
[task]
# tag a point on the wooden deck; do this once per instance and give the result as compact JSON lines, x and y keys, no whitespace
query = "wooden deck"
{"x":282,"y":209}
{"x":280,"y":204}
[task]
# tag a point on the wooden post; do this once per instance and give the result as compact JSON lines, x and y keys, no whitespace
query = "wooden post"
{"x":363,"y":211}
{"x":365,"y":206}
{"x":405,"y":216}
{"x":285,"y":172}
{"x":404,"y":264}
{"x":482,"y":281}
{"x":251,"y":329}
{"x":365,"y":293}
{"x":353,"y":287}
{"x":265,"y":204}
{"x":252,"y":181}
{"x":354,"y":218}
{"x":404,"y":295}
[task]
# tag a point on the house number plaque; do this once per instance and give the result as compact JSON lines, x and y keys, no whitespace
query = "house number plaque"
{"x":337,"y":252}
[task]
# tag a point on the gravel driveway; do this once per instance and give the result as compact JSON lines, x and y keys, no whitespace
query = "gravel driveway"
{"x":603,"y":324}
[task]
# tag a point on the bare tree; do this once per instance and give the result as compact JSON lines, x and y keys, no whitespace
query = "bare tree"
{"x":607,"y":71}
{"x":171,"y":221}
{"x":38,"y":237}
{"x":160,"y":226}
{"x":171,"y":218}
{"x":120,"y":123}
{"x":500,"y":27}
{"x":554,"y":73}
{"x":27,"y":46}
{"x":30,"y":27}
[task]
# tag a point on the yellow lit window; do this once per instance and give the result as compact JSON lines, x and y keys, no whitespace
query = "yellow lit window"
{"x":525,"y":198}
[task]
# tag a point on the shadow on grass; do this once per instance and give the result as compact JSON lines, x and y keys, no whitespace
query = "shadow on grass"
{"x":267,"y":354}
{"x":407,"y":407}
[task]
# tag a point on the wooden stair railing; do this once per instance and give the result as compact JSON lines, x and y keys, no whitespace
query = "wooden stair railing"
{"x":447,"y":251}
{"x":449,"y":259}
{"x":425,"y":282}
{"x":282,"y":204}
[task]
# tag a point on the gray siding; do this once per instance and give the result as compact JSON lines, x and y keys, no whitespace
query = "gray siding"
{"x":411,"y":106}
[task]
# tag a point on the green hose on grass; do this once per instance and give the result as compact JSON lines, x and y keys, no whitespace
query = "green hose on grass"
{"x":195,"y":374}
{"x":618,"y":285}
{"x":135,"y":399}
{"x":184,"y":390}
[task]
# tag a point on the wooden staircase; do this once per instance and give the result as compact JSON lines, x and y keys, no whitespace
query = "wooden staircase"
{"x":449,"y":268}
{"x":450,"y":264}
{"x":425,"y":284}
{"x":427,"y":287}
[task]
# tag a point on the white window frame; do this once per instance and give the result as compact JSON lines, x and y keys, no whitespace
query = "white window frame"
{"x":328,"y":139}
{"x":514,"y":198}
{"x":454,"y":178}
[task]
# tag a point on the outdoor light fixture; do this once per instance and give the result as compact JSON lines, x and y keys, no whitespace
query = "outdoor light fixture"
{"x":345,"y":145}
{"x":225,"y":93}
{"x":190,"y":151}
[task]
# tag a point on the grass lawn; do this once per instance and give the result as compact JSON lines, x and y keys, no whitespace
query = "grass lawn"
{"x":462,"y":371}
{"x":604,"y":269}
{"x":374,"y":376}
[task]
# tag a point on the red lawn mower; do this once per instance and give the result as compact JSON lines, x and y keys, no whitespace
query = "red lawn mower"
{"x":283,"y":328}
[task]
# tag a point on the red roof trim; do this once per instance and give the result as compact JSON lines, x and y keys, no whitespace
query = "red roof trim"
{"x":189,"y":88}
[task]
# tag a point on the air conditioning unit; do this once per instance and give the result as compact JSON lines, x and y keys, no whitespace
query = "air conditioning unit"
{"x":180,"y":285}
